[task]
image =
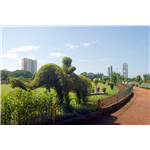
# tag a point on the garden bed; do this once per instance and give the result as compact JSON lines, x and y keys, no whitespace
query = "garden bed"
{"x":99,"y":93}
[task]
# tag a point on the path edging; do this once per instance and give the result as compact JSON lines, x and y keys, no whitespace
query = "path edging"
{"x":94,"y":115}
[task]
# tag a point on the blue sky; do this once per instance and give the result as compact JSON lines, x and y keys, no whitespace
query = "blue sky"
{"x":92,"y":48}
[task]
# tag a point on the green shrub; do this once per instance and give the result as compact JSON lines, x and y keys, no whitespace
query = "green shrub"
{"x":103,"y":82}
{"x":111,"y":84}
{"x":95,"y":80}
{"x":140,"y":82}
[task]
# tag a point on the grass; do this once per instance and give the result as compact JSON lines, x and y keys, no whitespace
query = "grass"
{"x":7,"y":89}
{"x":110,"y":92}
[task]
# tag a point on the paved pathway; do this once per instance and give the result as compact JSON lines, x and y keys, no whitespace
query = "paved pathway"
{"x":135,"y":112}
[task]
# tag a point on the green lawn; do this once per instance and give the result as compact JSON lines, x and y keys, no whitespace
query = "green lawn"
{"x":6,"y":89}
{"x":110,"y":92}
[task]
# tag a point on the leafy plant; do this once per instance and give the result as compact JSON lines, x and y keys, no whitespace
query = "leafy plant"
{"x":111,"y":84}
{"x":103,"y":82}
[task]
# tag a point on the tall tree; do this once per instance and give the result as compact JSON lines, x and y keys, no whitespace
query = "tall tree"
{"x":138,"y":78}
{"x":114,"y":77}
{"x":145,"y":76}
{"x":5,"y":74}
{"x":84,"y":74}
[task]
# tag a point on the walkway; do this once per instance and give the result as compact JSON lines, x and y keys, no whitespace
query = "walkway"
{"x":135,"y":112}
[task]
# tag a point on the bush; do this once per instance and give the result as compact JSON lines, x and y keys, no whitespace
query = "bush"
{"x":140,"y":82}
{"x":111,"y":84}
{"x":95,"y":80}
{"x":103,"y":82}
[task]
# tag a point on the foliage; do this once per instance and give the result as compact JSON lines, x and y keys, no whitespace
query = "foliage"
{"x":91,"y":75}
{"x":84,"y":74}
{"x":95,"y":80}
{"x":140,"y":82}
{"x":15,"y":82}
{"x":21,"y":78}
{"x":103,"y":82}
{"x":18,"y":73}
{"x":145,"y":76}
{"x":114,"y":77}
{"x":3,"y":78}
{"x":111,"y":84}
{"x":5,"y":74}
{"x":138,"y":78}
{"x":105,"y":78}
{"x":122,"y":78}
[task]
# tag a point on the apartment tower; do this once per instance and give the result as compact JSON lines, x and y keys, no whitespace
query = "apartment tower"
{"x":29,"y":65}
{"x":109,"y":70}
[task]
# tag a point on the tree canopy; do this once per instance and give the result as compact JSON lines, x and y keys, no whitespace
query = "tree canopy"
{"x":23,"y":73}
{"x":91,"y":75}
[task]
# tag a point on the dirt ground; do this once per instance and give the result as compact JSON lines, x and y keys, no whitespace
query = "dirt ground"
{"x":135,"y":112}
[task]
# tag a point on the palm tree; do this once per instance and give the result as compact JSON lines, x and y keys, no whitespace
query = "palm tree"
{"x":145,"y":76}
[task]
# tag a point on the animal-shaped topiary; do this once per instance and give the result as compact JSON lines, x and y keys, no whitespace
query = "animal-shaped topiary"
{"x":63,"y":79}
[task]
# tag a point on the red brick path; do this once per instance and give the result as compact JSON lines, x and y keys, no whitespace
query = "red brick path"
{"x":135,"y":112}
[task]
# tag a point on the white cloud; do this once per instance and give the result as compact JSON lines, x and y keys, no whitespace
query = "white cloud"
{"x":58,"y":54}
{"x":23,"y":49}
{"x":13,"y":52}
{"x":93,"y":61}
{"x":89,"y":43}
{"x":142,"y":41}
{"x":11,"y":55}
{"x":70,"y":45}
{"x":106,"y":59}
{"x":82,"y":60}
{"x":42,"y":60}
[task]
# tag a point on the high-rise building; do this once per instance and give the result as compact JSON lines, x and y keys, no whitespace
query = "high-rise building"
{"x":29,"y":65}
{"x":125,"y":70}
{"x":109,"y":70}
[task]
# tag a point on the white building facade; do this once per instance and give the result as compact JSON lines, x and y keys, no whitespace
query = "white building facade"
{"x":109,"y":70}
{"x":29,"y":65}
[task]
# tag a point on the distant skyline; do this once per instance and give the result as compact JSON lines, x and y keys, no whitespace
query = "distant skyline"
{"x":92,"y":48}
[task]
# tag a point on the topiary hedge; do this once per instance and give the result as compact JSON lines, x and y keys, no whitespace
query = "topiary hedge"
{"x":103,"y":82}
{"x":111,"y":84}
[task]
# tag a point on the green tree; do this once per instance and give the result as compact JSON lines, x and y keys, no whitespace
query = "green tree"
{"x":133,"y":79}
{"x":114,"y":77}
{"x":122,"y":78}
{"x":145,"y":76}
{"x":18,"y":73}
{"x":105,"y":78}
{"x":91,"y":75}
{"x":3,"y":78}
{"x":138,"y":78}
{"x":5,"y":75}
{"x":84,"y":74}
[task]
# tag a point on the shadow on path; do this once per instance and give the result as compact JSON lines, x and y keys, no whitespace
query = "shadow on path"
{"x":108,"y":118}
